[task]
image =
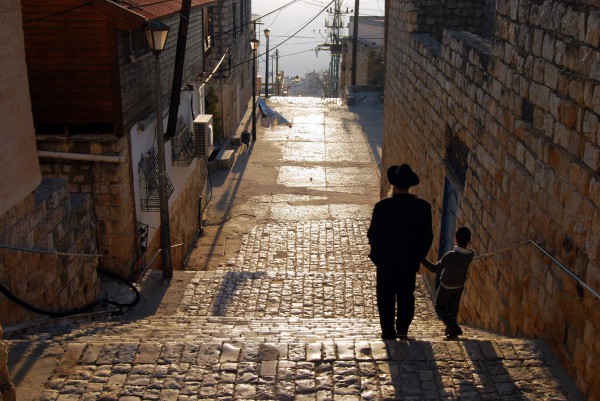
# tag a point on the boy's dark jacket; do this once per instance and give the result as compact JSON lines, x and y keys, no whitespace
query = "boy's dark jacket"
{"x":400,"y":233}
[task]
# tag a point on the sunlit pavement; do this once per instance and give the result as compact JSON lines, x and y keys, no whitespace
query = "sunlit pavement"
{"x":279,"y":300}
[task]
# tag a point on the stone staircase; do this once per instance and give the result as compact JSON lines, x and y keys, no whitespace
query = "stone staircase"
{"x":263,"y":328}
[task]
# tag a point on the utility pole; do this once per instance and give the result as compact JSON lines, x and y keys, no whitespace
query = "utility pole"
{"x":355,"y":42}
{"x":335,"y":24}
{"x":277,"y":69}
{"x":184,"y":18}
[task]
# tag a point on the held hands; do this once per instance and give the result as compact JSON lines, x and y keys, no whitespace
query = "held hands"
{"x":429,"y":265}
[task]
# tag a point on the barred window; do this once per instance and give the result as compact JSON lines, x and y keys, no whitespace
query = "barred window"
{"x":138,"y":45}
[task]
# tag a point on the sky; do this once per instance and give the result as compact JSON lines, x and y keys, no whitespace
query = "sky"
{"x":293,"y":25}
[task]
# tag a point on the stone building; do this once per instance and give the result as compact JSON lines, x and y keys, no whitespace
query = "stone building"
{"x":47,"y":244}
{"x":370,"y":52}
{"x":497,"y":109}
{"x":229,"y":55}
{"x":92,"y":85}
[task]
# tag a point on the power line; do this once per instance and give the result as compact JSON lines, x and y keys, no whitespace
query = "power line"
{"x":252,"y":21}
{"x":300,"y":52}
{"x":261,"y":55}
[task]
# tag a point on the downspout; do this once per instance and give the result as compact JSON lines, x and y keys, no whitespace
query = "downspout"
{"x":82,"y":157}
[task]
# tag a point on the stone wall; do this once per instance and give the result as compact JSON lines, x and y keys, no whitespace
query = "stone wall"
{"x":19,"y":169}
{"x":513,"y":122}
{"x":434,"y":16}
{"x":233,"y":86}
{"x":110,"y":187}
{"x":49,"y":220}
{"x":370,"y":59}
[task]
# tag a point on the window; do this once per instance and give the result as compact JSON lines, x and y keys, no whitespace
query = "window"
{"x":242,"y":17}
{"x":235,"y":18}
{"x":208,"y":30}
{"x":138,"y":45}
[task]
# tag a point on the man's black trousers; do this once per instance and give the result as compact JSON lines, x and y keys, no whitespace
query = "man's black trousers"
{"x":395,"y":301}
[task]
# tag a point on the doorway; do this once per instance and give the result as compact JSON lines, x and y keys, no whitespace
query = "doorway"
{"x":448,"y":227}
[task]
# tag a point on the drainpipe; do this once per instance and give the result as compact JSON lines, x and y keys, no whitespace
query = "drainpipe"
{"x":82,"y":157}
{"x":355,"y":43}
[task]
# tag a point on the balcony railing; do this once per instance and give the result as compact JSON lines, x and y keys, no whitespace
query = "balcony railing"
{"x":148,"y":171}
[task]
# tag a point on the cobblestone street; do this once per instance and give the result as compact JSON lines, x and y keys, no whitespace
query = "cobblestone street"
{"x":279,"y":296}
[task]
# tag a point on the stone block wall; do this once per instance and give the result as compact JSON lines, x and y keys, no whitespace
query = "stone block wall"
{"x":110,"y":187}
{"x":234,"y":87}
{"x":434,"y":16}
{"x":48,"y":220}
{"x":370,"y":61}
{"x":19,"y":169}
{"x":513,"y":121}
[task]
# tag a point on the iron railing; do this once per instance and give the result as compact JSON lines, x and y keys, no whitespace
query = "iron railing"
{"x":565,"y":269}
{"x":148,"y":172}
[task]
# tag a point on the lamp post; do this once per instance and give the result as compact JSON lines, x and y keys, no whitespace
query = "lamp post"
{"x":296,"y":80}
{"x":156,"y":35}
{"x":267,"y":32}
{"x":254,"y":46}
{"x":280,"y":80}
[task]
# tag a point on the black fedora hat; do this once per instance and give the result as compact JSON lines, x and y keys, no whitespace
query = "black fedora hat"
{"x":402,"y":176}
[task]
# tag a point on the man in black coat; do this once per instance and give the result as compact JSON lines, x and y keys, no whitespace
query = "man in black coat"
{"x":400,"y":236}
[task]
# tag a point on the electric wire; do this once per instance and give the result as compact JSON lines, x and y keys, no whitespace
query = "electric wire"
{"x":103,"y":299}
{"x":46,"y":252}
{"x":281,"y":43}
{"x":252,"y":21}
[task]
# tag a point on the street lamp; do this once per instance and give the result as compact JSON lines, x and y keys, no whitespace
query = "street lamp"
{"x":254,"y":46}
{"x":296,"y":80}
{"x":279,"y":83}
{"x":267,"y":32}
{"x":156,"y":35}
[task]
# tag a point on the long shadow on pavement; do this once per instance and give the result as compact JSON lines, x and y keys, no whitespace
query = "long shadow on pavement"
{"x":429,"y":371}
{"x":231,"y":282}
{"x":226,"y":200}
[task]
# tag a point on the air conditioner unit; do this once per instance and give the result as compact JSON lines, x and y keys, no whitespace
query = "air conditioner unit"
{"x":203,"y":135}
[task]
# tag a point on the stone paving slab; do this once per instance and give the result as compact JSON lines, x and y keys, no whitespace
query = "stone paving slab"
{"x":364,"y":370}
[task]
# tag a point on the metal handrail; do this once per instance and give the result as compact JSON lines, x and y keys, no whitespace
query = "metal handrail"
{"x":552,"y":258}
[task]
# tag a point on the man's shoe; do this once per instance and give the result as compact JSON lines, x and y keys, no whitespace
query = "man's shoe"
{"x":388,"y":336}
{"x":456,"y":332}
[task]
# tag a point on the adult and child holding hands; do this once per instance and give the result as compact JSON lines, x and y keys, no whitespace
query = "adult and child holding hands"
{"x":400,"y":235}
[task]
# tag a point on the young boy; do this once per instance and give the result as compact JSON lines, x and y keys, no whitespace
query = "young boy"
{"x":454,"y":266}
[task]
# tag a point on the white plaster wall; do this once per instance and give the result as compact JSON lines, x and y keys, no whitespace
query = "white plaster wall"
{"x":143,"y":137}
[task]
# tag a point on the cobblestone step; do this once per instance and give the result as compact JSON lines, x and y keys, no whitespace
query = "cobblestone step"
{"x":509,"y":369}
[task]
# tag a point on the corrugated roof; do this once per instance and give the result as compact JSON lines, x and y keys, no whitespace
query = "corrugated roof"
{"x":151,"y":9}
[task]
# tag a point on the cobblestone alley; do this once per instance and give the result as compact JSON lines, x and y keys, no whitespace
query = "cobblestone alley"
{"x":278,"y":300}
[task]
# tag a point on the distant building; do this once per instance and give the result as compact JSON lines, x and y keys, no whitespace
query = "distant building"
{"x":228,"y":48}
{"x":371,"y":52}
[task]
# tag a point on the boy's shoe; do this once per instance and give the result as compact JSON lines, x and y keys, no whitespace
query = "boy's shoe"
{"x":403,"y":337}
{"x":451,"y":338}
